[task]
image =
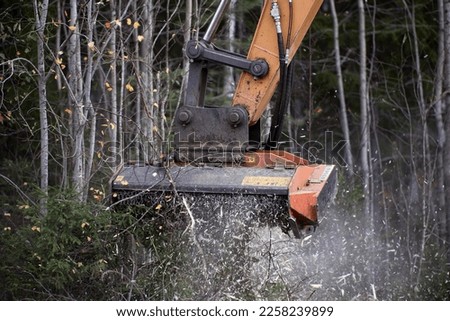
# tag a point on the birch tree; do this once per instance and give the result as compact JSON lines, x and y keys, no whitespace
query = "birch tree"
{"x":187,"y":30}
{"x":112,"y":85}
{"x":137,"y":71}
{"x":145,"y":79}
{"x":365,"y":141}
{"x":446,"y":97}
{"x":75,"y":91}
{"x":341,"y":93}
{"x":439,"y":107}
{"x":89,"y":76}
{"x":40,"y":13}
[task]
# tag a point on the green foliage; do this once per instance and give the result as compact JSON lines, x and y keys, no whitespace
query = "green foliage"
{"x":44,"y":257}
{"x":85,"y":252}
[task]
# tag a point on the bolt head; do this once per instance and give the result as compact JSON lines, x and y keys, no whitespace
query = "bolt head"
{"x":234,"y":117}
{"x":184,"y":117}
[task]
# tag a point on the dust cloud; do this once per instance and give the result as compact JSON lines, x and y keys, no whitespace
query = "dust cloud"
{"x":234,"y":253}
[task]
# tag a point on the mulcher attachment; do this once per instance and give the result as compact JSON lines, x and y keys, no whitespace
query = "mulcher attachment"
{"x":276,"y":187}
{"x":213,"y":167}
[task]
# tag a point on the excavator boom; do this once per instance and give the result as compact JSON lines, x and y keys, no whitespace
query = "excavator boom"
{"x":256,"y":93}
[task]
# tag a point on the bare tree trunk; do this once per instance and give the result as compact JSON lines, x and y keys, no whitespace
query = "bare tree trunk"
{"x":157,"y":116}
{"x":341,"y":93}
{"x":113,"y":86}
{"x":91,"y":20}
{"x":187,"y":29}
{"x":439,"y":108}
{"x":91,"y":111}
{"x":378,"y":186}
{"x":167,"y":87}
{"x":121,"y":105}
{"x":447,"y":119}
{"x":137,"y":70}
{"x":426,"y":170}
{"x":40,"y":13}
{"x":365,"y":142}
{"x":146,"y":80}
{"x":76,"y":99}
{"x":59,"y":14}
{"x":64,"y":177}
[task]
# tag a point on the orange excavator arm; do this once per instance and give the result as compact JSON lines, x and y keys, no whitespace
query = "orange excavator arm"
{"x":295,"y":18}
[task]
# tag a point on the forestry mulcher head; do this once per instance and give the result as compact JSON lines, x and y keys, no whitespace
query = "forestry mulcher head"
{"x":219,"y":158}
{"x":276,"y":187}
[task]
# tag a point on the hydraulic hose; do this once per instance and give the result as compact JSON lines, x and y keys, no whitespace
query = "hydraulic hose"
{"x":286,"y":75}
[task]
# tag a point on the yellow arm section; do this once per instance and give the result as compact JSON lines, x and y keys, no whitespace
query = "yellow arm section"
{"x":255,"y":94}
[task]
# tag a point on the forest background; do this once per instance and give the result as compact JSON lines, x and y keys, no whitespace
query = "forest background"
{"x":86,"y":86}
